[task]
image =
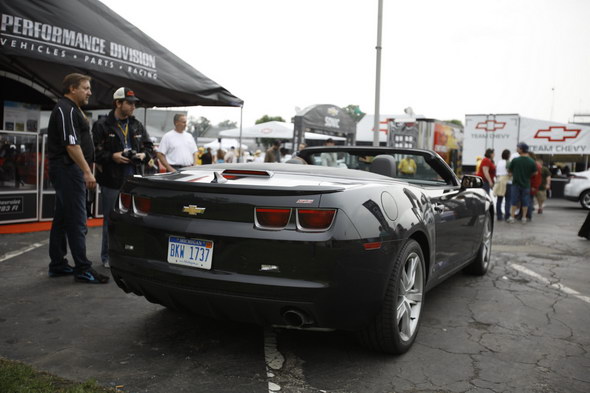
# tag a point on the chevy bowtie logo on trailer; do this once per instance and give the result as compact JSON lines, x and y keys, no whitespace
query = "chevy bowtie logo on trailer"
{"x":557,"y":134}
{"x":490,"y":125}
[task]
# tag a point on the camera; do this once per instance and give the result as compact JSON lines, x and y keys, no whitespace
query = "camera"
{"x":131,"y":155}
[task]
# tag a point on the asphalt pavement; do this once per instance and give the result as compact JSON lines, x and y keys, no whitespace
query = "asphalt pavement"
{"x":521,"y":328}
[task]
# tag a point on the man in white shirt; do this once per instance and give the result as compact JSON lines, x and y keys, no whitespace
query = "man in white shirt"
{"x":177,"y":148}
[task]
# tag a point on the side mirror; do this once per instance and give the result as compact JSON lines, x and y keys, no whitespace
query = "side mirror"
{"x":471,"y":181}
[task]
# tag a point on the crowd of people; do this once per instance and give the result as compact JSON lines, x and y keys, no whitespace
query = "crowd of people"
{"x":517,"y":181}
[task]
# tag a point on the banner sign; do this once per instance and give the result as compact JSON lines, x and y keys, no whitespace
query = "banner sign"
{"x":11,"y":205}
{"x":19,"y":116}
{"x":43,"y":40}
{"x":545,"y":137}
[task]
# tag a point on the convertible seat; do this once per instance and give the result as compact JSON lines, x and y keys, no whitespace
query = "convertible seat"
{"x":384,"y":165}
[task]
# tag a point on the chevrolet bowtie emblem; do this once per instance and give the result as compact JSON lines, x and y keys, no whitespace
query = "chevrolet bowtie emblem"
{"x":193,"y":210}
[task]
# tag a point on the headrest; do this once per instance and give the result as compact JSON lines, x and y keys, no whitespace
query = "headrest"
{"x":384,"y":165}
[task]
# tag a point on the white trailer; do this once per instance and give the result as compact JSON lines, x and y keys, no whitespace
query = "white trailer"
{"x":505,"y":131}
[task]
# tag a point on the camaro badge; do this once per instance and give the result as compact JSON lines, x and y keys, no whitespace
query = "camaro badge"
{"x":193,"y":210}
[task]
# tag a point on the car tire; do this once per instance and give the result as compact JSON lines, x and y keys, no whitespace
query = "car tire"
{"x":585,"y":199}
{"x":481,"y":263}
{"x":396,"y":326}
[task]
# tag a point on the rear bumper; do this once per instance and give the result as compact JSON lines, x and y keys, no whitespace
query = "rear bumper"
{"x":346,"y":301}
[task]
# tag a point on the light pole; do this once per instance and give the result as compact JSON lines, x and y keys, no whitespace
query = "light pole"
{"x":378,"y":75}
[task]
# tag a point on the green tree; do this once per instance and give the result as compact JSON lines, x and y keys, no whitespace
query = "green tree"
{"x":456,"y":122}
{"x":198,"y":127}
{"x":227,"y":124}
{"x":354,"y":112}
{"x":267,"y":118}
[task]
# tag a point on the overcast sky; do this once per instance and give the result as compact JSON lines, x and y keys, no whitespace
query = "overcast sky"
{"x":445,"y":59}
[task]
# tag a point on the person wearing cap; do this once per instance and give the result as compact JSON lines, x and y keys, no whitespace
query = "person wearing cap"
{"x":122,"y":148}
{"x":521,"y":168}
{"x":177,"y":148}
{"x":70,"y":153}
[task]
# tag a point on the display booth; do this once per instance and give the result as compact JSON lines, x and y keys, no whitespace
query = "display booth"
{"x":326,"y":120}
{"x":44,"y":40}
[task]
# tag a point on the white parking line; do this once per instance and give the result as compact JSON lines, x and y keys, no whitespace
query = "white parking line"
{"x":557,"y":286}
{"x":274,"y":359}
{"x":16,"y":253}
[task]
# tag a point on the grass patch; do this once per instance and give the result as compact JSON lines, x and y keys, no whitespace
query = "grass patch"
{"x":16,"y":377}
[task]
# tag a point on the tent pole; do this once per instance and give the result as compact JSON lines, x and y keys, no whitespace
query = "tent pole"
{"x":145,"y":118}
{"x":240,"y":153}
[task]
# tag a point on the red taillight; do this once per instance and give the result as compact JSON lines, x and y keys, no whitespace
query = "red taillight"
{"x":272,"y":218}
{"x":142,"y":205}
{"x":125,"y":201}
{"x":315,"y":219}
{"x":372,"y":246}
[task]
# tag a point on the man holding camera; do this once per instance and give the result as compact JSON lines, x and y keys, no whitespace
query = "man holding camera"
{"x":122,"y":148}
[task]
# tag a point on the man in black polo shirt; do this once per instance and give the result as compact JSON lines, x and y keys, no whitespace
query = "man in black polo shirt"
{"x":71,"y":153}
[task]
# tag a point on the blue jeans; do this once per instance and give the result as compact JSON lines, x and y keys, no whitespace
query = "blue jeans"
{"x":109,"y":198}
{"x":520,"y":196}
{"x":69,"y":220}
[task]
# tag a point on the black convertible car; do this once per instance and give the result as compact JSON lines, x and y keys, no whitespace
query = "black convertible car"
{"x":355,"y":246}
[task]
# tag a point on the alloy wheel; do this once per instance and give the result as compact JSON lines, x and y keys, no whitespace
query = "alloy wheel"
{"x":411,"y":293}
{"x":486,"y":246}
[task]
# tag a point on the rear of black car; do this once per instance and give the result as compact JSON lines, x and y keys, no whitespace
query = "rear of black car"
{"x":255,"y":253}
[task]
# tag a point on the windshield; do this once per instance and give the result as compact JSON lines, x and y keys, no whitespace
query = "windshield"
{"x":410,"y":167}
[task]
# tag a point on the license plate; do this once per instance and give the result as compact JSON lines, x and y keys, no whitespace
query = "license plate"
{"x":190,"y":252}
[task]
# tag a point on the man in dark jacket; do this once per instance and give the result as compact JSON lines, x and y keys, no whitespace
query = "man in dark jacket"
{"x":122,"y":148}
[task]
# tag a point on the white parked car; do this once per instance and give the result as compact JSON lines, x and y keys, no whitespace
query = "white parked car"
{"x":578,"y":188}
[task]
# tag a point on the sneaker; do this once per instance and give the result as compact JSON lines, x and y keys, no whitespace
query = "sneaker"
{"x":66,"y":270}
{"x":524,"y":220}
{"x":90,"y":276}
{"x":106,"y":265}
{"x":510,"y":220}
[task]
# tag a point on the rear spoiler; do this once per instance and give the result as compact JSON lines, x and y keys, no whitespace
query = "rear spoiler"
{"x":228,"y":188}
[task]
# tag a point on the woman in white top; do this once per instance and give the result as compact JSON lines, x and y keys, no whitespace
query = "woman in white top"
{"x":502,"y":188}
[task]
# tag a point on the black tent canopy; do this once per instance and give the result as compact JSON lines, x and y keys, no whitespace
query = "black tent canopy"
{"x":41,"y":41}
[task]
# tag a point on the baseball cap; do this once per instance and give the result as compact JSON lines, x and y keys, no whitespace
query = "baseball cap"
{"x":523,"y":146}
{"x":125,"y":93}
